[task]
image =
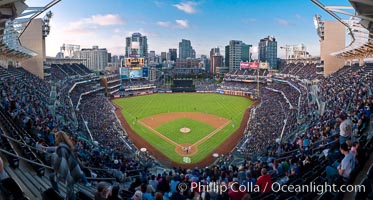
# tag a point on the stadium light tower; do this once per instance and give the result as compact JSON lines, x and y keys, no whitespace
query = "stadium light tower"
{"x":286,"y":47}
{"x":254,"y":50}
{"x":46,"y":26}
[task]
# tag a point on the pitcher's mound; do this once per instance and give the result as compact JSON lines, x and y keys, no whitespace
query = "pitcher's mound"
{"x":185,"y":130}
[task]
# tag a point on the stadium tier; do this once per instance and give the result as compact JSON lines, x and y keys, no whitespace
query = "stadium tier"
{"x":298,"y":122}
{"x":85,"y":125}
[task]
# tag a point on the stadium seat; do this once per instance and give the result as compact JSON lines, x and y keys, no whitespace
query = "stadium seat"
{"x":269,"y":196}
{"x":370,"y":172}
{"x":82,"y":196}
{"x":327,"y":196}
{"x":368,"y":189}
{"x":51,"y":194}
{"x":12,"y":188}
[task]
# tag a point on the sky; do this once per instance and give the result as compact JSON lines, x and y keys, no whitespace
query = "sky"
{"x":207,"y":23}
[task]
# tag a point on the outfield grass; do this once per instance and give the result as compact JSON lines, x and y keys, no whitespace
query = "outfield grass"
{"x":172,"y":130}
{"x":230,"y":107}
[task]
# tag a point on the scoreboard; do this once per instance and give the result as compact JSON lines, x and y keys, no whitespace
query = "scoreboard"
{"x":134,"y":62}
{"x":134,"y":72}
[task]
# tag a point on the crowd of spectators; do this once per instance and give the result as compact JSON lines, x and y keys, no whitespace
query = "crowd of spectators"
{"x":291,"y":93}
{"x":83,"y":88}
{"x":128,"y":83}
{"x":113,"y":142}
{"x":267,"y":122}
{"x":347,"y":96}
{"x":26,"y":101}
{"x":205,"y":84}
{"x":238,"y":86}
{"x":63,"y":71}
{"x":303,"y":70}
{"x":245,"y":74}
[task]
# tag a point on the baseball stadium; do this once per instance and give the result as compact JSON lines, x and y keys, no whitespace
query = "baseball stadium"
{"x":256,"y":120}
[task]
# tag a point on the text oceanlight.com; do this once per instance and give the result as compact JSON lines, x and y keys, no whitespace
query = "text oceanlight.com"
{"x":275,"y":187}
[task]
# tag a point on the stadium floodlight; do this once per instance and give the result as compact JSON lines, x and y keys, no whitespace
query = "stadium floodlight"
{"x":46,"y":20}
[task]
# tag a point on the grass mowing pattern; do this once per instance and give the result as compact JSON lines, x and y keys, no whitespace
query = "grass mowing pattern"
{"x":172,"y":130}
{"x":230,"y":107}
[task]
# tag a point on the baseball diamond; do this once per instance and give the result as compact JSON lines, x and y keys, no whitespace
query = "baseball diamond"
{"x":155,"y":121}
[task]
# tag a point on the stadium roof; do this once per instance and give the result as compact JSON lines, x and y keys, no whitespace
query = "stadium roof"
{"x":15,"y":17}
{"x":364,"y":8}
{"x":360,"y":27}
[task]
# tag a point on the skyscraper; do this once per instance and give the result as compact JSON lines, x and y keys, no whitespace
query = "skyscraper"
{"x":95,"y":59}
{"x":136,"y":46}
{"x":163,"y":56}
{"x":268,"y":51}
{"x":226,"y":61}
{"x":216,"y":60}
{"x":186,"y":50}
{"x":173,"y":54}
{"x":236,"y":52}
{"x":151,"y":56}
{"x":245,"y":52}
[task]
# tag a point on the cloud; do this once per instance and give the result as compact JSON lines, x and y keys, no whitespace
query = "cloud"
{"x":106,"y":20}
{"x":182,"y":23}
{"x":143,"y":32}
{"x":159,"y":4}
{"x":117,"y":30}
{"x":88,"y":25}
{"x":249,"y":20}
{"x":298,"y":16}
{"x":101,"y":20}
{"x":78,"y":30}
{"x":188,"y":7}
{"x":283,"y":22}
{"x":163,"y":24}
{"x":178,"y":24}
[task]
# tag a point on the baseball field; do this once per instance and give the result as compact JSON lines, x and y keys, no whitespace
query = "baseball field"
{"x":184,"y":127}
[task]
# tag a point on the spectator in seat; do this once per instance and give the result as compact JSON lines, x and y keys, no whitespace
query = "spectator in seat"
{"x":345,"y":128}
{"x":264,"y":181}
{"x":235,"y":193}
{"x":146,"y":192}
{"x":178,"y":195}
{"x":344,"y":168}
{"x":3,"y":174}
{"x":66,"y":166}
{"x":137,"y":195}
{"x":158,"y":196}
{"x":102,"y":191}
{"x":114,"y":193}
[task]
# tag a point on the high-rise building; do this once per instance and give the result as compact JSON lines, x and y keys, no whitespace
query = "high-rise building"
{"x":187,"y":63}
{"x":236,"y":52}
{"x":245,"y":52}
{"x":95,"y":59}
{"x":173,"y":54}
{"x":109,"y":57}
{"x":136,"y":46}
{"x":216,"y":60}
{"x":186,"y":50}
{"x":163,"y":56}
{"x":204,"y":63}
{"x":268,"y":51}
{"x":114,"y":59}
{"x":151,"y":56}
{"x":226,"y":61}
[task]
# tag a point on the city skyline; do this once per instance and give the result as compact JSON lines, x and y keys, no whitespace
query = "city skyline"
{"x":207,"y":24}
